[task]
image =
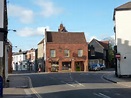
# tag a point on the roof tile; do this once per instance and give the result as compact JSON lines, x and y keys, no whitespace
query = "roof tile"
{"x":66,"y":37}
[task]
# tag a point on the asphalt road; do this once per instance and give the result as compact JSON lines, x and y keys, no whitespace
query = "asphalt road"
{"x":76,"y":85}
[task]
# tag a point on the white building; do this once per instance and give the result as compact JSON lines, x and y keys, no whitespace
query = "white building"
{"x":122,"y":19}
{"x":19,"y":58}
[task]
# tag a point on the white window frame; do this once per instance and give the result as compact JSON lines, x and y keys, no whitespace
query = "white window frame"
{"x":52,"y":53}
{"x":80,"y":53}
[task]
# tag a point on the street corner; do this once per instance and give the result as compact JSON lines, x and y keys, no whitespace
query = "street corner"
{"x":110,"y":78}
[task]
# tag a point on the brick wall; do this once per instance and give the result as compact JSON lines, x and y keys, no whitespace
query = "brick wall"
{"x":73,"y":53}
{"x":10,"y":60}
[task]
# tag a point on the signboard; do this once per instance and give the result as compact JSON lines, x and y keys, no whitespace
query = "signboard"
{"x":1,"y":48}
{"x":118,"y":55}
{"x":1,"y":13}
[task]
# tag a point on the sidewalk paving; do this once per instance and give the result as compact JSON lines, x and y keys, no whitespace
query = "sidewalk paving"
{"x":17,"y":86}
{"x":125,"y":81}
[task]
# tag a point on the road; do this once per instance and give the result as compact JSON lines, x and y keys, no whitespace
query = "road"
{"x":76,"y":85}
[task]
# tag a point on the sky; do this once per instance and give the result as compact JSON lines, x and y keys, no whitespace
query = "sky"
{"x":30,"y":18}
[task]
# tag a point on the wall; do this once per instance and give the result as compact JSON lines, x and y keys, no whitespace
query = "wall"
{"x":10,"y":59}
{"x":123,"y":40}
{"x":40,"y":50}
{"x":73,"y":52}
{"x":17,"y":58}
{"x":6,"y":62}
{"x":97,"y":46}
{"x":1,"y":13}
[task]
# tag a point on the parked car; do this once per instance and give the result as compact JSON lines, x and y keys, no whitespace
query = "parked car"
{"x":102,"y":66}
{"x":94,"y":67}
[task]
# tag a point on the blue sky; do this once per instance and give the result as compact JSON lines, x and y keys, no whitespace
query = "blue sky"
{"x":31,"y":17}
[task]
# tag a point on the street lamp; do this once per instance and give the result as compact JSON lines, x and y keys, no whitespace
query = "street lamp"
{"x":12,"y":30}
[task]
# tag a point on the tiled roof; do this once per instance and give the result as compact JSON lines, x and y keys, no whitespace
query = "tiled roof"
{"x":66,"y":37}
{"x":105,"y":44}
{"x":125,"y":6}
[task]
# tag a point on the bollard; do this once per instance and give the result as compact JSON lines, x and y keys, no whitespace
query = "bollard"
{"x":1,"y":86}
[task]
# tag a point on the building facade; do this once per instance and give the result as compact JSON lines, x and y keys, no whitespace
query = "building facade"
{"x":122,"y":29}
{"x":40,"y":55}
{"x":3,"y":38}
{"x":65,"y":51}
{"x":8,"y":58}
{"x":31,"y":55}
{"x":31,"y":58}
{"x":9,"y":50}
{"x":19,"y":60}
{"x":98,"y":52}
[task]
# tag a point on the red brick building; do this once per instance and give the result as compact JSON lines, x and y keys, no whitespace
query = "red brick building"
{"x":65,"y":51}
{"x":30,"y":55}
{"x":9,"y":57}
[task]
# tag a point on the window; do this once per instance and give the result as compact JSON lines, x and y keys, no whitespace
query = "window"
{"x":92,"y":52}
{"x":52,"y":53}
{"x":66,"y":53}
{"x":104,"y":53}
{"x":80,"y":53}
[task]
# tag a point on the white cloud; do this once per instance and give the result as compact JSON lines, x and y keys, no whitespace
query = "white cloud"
{"x":23,"y":14}
{"x":48,"y":8}
{"x":27,"y":32}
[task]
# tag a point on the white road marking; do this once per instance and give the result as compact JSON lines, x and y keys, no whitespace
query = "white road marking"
{"x":73,"y":83}
{"x":97,"y":94}
{"x":101,"y":95}
{"x":32,"y":89}
{"x":79,"y":83}
{"x":68,"y":84}
{"x":27,"y":92}
{"x":104,"y":96}
{"x":71,"y":77}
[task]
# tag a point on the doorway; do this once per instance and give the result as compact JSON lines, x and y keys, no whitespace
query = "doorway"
{"x":79,"y":66}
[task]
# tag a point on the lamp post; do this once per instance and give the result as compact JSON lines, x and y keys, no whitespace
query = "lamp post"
{"x":3,"y":35}
{"x":12,"y":30}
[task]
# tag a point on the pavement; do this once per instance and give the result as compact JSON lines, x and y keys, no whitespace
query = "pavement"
{"x":124,"y":81}
{"x":19,"y":86}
